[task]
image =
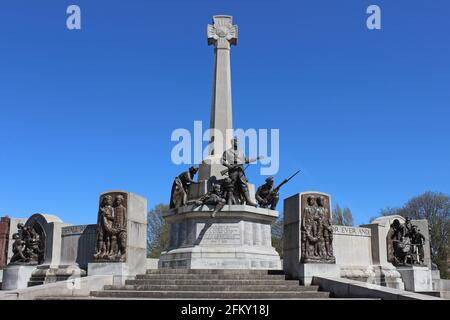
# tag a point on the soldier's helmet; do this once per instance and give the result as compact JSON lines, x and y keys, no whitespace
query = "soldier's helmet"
{"x":269,"y":179}
{"x":193,"y":169}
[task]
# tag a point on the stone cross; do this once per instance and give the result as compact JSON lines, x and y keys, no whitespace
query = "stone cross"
{"x":222,"y":34}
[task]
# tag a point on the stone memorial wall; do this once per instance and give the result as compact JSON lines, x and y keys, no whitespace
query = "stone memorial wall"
{"x":78,"y":245}
{"x":352,"y":246}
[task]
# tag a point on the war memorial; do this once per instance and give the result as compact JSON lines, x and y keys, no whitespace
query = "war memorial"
{"x":220,"y":244}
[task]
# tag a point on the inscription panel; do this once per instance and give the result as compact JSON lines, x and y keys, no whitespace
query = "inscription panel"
{"x":221,"y":234}
{"x":352,"y":231}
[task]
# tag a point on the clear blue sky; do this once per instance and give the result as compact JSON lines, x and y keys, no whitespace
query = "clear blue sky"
{"x":365,"y":114}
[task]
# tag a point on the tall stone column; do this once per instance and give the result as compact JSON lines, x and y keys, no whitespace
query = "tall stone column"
{"x":222,"y":34}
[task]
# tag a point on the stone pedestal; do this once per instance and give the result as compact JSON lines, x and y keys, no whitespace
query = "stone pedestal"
{"x":16,"y":277}
{"x":44,"y":274}
{"x":298,"y":264}
{"x":120,"y":270}
{"x":135,"y":259}
{"x":306,"y":271}
{"x":436,"y":280}
{"x":239,"y":237}
{"x":385,"y":273}
{"x":416,"y":279}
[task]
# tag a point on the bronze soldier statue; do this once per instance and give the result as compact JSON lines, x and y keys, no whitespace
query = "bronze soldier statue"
{"x":309,"y":238}
{"x":18,"y":249}
{"x":325,"y":229}
{"x":234,"y":159}
{"x":105,"y":227}
{"x":180,"y":188}
{"x":405,"y":243}
{"x":266,"y":196}
{"x":26,"y":247}
{"x":417,"y":241}
{"x":229,"y":193}
{"x":120,"y":227}
{"x":213,"y":198}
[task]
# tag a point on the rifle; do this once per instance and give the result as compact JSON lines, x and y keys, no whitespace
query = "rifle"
{"x":233,"y":166}
{"x":277,"y":189}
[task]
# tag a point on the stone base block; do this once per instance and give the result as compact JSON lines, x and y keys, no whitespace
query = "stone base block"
{"x":436,"y":280}
{"x":386,"y":275}
{"x":16,"y":277}
{"x":46,"y":274}
{"x":119,"y":270}
{"x":221,"y":258}
{"x":416,"y":279}
{"x":306,"y":271}
{"x":239,"y":237}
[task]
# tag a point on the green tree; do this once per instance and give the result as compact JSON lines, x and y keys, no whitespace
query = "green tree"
{"x":157,"y":231}
{"x":348,"y":217}
{"x":434,"y":207}
{"x":277,"y":236}
{"x":342,"y":217}
{"x":338,"y":215}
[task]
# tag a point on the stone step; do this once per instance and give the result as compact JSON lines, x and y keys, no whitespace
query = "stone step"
{"x":210,"y":277}
{"x":214,"y":271}
{"x":89,"y":298}
{"x":211,"y":282}
{"x":210,"y":294}
{"x":227,"y":288}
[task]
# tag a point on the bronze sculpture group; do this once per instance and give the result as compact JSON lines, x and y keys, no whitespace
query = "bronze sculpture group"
{"x":231,"y":190}
{"x":405,"y":244}
{"x":316,"y":231}
{"x":26,"y":247}
{"x":112,"y":228}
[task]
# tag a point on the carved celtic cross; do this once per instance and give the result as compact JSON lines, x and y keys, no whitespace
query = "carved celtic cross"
{"x":222,"y":33}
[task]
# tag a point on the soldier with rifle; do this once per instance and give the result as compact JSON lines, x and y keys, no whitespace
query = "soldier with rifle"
{"x":213,"y":198}
{"x":234,"y":159}
{"x":267,"y":195}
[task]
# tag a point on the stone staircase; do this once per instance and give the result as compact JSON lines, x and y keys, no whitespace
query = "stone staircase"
{"x":210,"y":284}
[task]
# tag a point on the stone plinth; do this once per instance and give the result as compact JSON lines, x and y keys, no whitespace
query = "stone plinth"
{"x":239,"y":237}
{"x":416,"y":278}
{"x":297,"y":264}
{"x":16,"y":277}
{"x":306,"y":271}
{"x":45,"y":274}
{"x":135,"y":259}
{"x":120,"y":271}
